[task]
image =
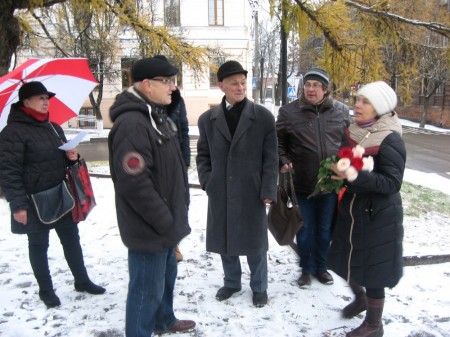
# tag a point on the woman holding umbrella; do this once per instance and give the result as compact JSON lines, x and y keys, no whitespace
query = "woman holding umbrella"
{"x":30,"y":162}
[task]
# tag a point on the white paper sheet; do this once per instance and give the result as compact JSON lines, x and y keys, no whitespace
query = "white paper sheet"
{"x":73,"y":143}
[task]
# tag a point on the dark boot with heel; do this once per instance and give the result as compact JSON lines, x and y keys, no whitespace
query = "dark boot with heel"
{"x":89,"y":287}
{"x":49,"y":298}
{"x":359,"y":303}
{"x":372,"y":325}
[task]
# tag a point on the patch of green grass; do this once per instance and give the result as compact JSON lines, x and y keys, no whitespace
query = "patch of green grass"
{"x":418,"y":200}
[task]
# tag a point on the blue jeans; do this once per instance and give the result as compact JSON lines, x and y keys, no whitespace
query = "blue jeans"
{"x":313,"y":239}
{"x":150,"y":292}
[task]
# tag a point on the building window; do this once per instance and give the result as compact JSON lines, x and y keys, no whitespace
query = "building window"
{"x":172,"y":12}
{"x":215,"y":12}
{"x":86,"y":118}
{"x":125,"y":67}
{"x":214,"y":65}
{"x":440,"y":89}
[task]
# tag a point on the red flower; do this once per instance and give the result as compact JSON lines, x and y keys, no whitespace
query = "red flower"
{"x":358,"y":163}
{"x":345,"y":152}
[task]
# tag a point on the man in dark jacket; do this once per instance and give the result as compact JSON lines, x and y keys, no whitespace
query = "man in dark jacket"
{"x":176,"y":110}
{"x":152,"y":196}
{"x":309,"y":130}
{"x":237,"y":167}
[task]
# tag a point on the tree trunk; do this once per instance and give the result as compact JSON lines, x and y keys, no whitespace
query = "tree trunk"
{"x":10,"y":36}
{"x":426,"y":105}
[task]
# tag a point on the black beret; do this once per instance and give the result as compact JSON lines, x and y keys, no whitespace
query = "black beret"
{"x":150,"y":68}
{"x":230,"y":68}
{"x":33,"y":89}
{"x":317,"y":74}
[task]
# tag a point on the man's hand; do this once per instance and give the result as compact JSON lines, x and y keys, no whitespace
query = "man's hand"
{"x":285,"y":168}
{"x":267,"y":201}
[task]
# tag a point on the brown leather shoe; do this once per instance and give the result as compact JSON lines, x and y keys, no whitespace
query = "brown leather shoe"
{"x":304,"y":280}
{"x":179,"y":326}
{"x":325,"y":277}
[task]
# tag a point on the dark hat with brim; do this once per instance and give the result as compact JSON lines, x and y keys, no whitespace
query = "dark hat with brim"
{"x":230,"y":68}
{"x":31,"y":89}
{"x":152,"y":67}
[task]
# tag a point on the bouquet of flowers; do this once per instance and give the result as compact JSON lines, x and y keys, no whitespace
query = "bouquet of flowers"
{"x":350,"y":161}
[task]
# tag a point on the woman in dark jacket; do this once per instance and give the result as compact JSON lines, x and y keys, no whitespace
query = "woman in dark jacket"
{"x":31,"y":162}
{"x":366,"y":249}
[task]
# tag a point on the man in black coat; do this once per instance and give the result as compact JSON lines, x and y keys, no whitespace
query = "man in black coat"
{"x":176,"y":110}
{"x":152,"y":196}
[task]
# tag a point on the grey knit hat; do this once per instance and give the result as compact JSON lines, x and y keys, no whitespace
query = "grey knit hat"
{"x":317,"y":74}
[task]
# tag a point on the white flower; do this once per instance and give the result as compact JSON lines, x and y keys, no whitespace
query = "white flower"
{"x":351,"y":174}
{"x":368,"y":163}
{"x":358,"y":151}
{"x":343,"y":164}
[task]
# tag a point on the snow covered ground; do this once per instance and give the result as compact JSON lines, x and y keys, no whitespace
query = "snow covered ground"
{"x":418,"y":307}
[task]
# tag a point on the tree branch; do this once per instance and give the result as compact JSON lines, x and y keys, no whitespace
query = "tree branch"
{"x":326,"y":31}
{"x":432,"y":26}
{"x":47,"y":33}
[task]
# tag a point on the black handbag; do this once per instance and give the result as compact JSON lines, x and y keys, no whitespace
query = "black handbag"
{"x":284,"y":217}
{"x":52,"y":204}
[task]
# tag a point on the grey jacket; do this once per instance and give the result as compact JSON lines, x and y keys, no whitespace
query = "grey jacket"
{"x":237,"y":174}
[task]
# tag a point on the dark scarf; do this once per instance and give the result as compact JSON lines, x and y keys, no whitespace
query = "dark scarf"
{"x":233,"y":114}
{"x":40,"y":117}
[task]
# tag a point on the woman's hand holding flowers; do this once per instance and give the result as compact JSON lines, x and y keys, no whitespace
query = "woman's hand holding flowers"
{"x":345,"y":166}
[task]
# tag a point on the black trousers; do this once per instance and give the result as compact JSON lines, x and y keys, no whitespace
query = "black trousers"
{"x":38,"y":243}
{"x":377,"y":293}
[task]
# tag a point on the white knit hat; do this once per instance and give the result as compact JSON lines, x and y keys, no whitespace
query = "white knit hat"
{"x":382,"y":97}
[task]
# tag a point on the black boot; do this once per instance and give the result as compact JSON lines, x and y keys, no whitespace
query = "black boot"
{"x":49,"y":298}
{"x":372,"y":325}
{"x":89,"y":287}
{"x":359,"y":303}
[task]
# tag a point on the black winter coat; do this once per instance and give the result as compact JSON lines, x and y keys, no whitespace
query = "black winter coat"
{"x":177,"y":113}
{"x":366,"y":247}
{"x":30,"y":162}
{"x":149,"y":177}
{"x":308,"y":134}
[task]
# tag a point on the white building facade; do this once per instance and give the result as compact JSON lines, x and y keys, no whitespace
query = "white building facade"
{"x":223,"y":25}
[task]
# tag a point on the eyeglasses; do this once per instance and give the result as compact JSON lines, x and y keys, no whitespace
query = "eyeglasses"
{"x":312,"y":85}
{"x":167,"y":81}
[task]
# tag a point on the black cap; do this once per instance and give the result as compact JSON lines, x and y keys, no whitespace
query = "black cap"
{"x":230,"y":68}
{"x":317,"y":74}
{"x":150,"y":68}
{"x":161,"y":57}
{"x":31,"y":89}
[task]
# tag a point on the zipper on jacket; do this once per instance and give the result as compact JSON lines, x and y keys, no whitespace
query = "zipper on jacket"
{"x":350,"y":238}
{"x":319,"y":137}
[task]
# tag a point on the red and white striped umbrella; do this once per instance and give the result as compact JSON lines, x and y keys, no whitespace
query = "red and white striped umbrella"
{"x":69,"y":78}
